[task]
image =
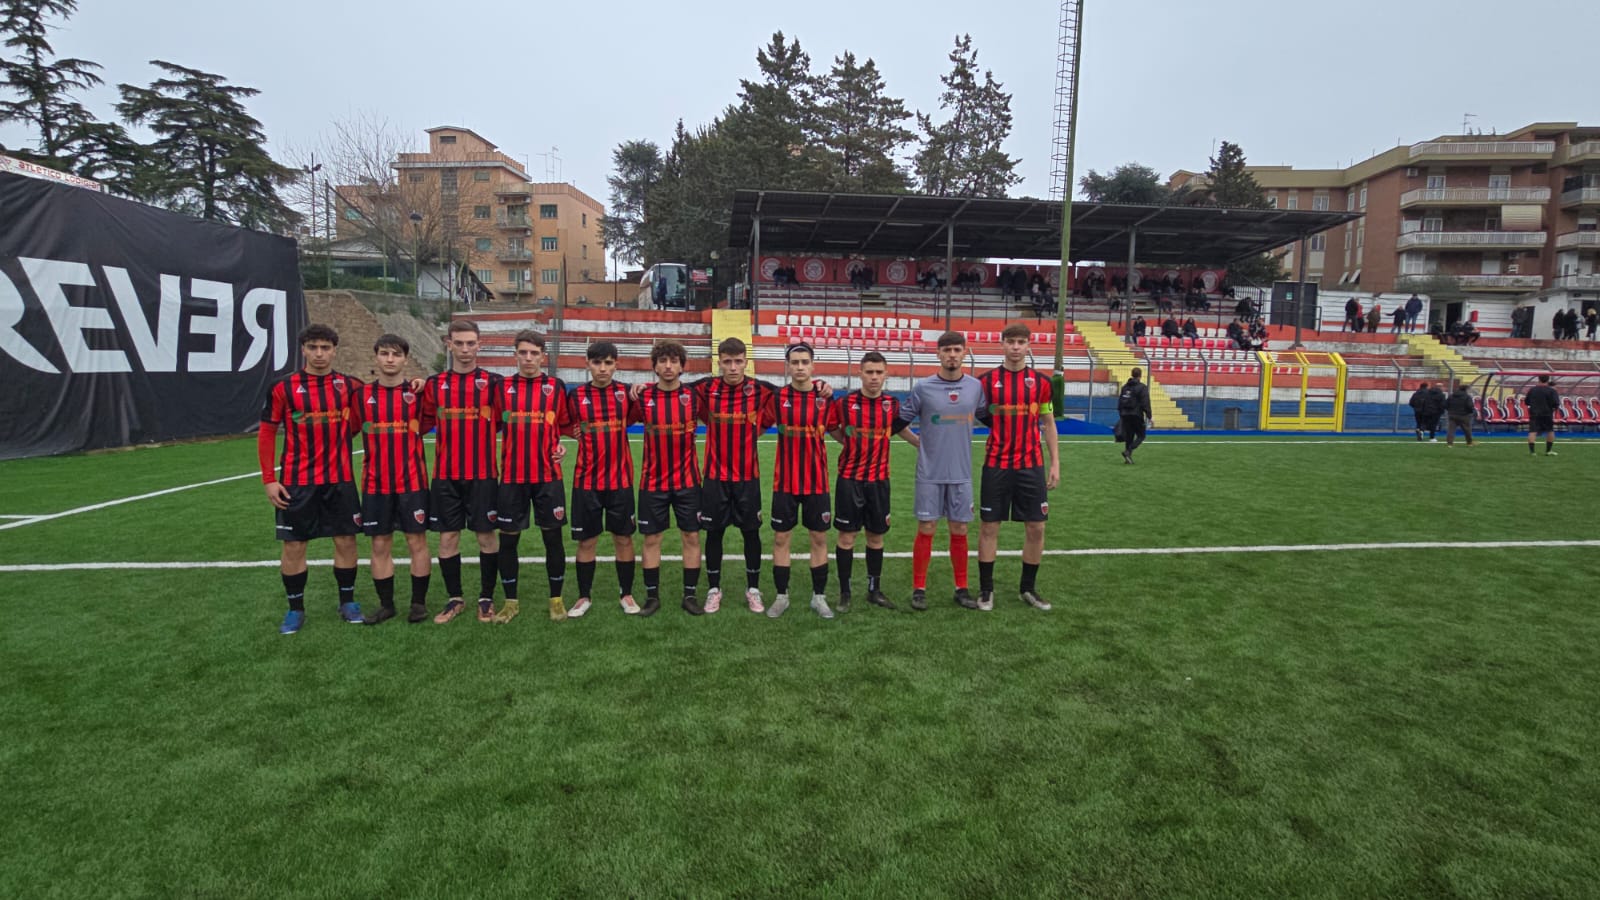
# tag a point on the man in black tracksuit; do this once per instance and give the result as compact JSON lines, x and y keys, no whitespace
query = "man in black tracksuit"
{"x":1461,"y":413}
{"x":1133,"y":405}
{"x":1432,"y":410}
{"x":1543,"y":401}
{"x":1419,"y":406}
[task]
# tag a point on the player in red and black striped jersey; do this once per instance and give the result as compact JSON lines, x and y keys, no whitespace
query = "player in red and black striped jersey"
{"x":736,"y":409}
{"x":461,"y":402}
{"x":1016,"y":482}
{"x":670,"y":482}
{"x":602,"y":479}
{"x":800,"y":479}
{"x":863,"y":421}
{"x":533,"y":416}
{"x":313,"y":488}
{"x":388,"y":415}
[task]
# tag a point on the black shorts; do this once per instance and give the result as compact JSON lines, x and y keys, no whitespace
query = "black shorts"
{"x":735,"y":504}
{"x":810,"y":510}
{"x":861,"y":504}
{"x":1017,"y":494}
{"x":548,"y":501}
{"x":657,"y":508}
{"x":387,"y":513}
{"x":1541,"y":424}
{"x":462,"y":505}
{"x":320,"y":510}
{"x":594,"y":511}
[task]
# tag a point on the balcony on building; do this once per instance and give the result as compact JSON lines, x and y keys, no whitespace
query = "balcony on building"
{"x":518,"y":194}
{"x":513,"y":254}
{"x":1470,"y":240}
{"x":1580,"y":197}
{"x":1578,"y":282}
{"x":1588,"y":151}
{"x":1576,"y":240}
{"x":1516,"y":283}
{"x":513,"y":220}
{"x":1479,"y":152}
{"x":515,"y":287}
{"x":1473,"y":196}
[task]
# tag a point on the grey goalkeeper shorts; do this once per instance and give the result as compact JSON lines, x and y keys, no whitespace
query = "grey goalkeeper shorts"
{"x":944,"y":501}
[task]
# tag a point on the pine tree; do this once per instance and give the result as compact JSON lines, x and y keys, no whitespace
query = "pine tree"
{"x":1230,"y":184}
{"x":1127,"y":183}
{"x":637,"y":167}
{"x":962,"y":156}
{"x":860,"y":129}
{"x":776,"y":121}
{"x":208,"y":158}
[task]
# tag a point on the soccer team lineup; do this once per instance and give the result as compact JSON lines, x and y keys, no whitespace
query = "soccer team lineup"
{"x":498,"y":471}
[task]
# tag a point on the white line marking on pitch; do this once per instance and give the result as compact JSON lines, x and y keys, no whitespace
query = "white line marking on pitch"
{"x":1086,"y":551}
{"x":119,"y":502}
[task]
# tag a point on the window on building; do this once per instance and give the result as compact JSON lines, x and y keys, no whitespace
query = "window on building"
{"x":447,"y":179}
{"x":1294,"y":200}
{"x":1432,"y":223}
{"x":1363,"y":202}
{"x":586,"y":220}
{"x":1435,"y":182}
{"x":1350,"y":199}
{"x":484,"y":275}
{"x":483,"y":245}
{"x":516,"y":276}
{"x":447,"y":139}
{"x":1414,"y":264}
{"x":583,"y":251}
{"x":1492,"y":223}
{"x":352,"y":214}
{"x":547,"y":244}
{"x":550,"y":276}
{"x":480,"y":212}
{"x":1319,"y":243}
{"x":1499,"y":182}
{"x":547,"y":211}
{"x":480,"y":175}
{"x":416,"y":177}
{"x":1272,"y":200}
{"x":1361,"y":238}
{"x":1319,"y":202}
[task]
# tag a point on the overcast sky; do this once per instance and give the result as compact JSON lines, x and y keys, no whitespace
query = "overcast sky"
{"x":1312,"y":86}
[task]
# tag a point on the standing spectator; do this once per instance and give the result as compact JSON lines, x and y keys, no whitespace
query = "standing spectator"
{"x":1133,"y":406}
{"x":1399,"y":319}
{"x":1461,"y":410}
{"x":1572,"y":324}
{"x":1352,"y":315}
{"x":1543,"y":401}
{"x":1433,"y":410}
{"x":1558,"y":325}
{"x":1591,"y":318}
{"x":1375,"y":317}
{"x":1413,"y":309}
{"x":1419,"y":407}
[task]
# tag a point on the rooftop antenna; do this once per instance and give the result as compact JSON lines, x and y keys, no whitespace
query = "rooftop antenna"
{"x":552,"y":165}
{"x":1466,"y":122}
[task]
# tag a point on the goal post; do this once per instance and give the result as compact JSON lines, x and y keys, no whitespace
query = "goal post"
{"x":1302,"y":391}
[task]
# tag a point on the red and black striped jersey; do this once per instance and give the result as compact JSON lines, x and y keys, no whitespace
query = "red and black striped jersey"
{"x":1016,"y":402}
{"x":669,"y":426}
{"x":390,"y":422}
{"x":462,"y":406}
{"x":865,"y":425}
{"x":802,"y":463}
{"x":735,"y":415}
{"x":314,"y":413}
{"x":601,"y":415}
{"x":533,"y":417}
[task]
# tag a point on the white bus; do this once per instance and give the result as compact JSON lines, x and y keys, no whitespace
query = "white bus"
{"x":665,"y":286}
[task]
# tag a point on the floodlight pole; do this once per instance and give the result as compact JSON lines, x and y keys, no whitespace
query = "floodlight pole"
{"x":1300,"y":295}
{"x":1059,"y":378}
{"x":1127,"y":281}
{"x":949,"y":272}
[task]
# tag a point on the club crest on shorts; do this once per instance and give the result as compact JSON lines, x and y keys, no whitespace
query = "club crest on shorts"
{"x":827,"y":517}
{"x":357,"y":518}
{"x":560,"y":513}
{"x":1044,"y":508}
{"x":419,"y":515}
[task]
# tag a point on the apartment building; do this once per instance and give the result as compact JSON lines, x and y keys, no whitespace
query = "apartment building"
{"x":1500,"y":215}
{"x":477,"y":205}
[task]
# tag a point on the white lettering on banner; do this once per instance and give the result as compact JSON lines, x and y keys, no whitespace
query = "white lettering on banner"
{"x":157,"y":352}
{"x":219,"y":326}
{"x":154,"y":347}
{"x":70,"y":322}
{"x":11,"y":311}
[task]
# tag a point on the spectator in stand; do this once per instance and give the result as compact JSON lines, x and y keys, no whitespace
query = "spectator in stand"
{"x":1004,"y":281}
{"x":1170,"y":328}
{"x":1399,"y":319}
{"x":1543,"y":401}
{"x":1019,"y":282}
{"x":1558,"y":325}
{"x":1413,"y":309}
{"x":1036,"y":285}
{"x":1419,"y":408}
{"x":1140,"y":326}
{"x":1190,"y":331}
{"x":1352,"y":315}
{"x":1591,"y":319}
{"x":1461,"y":411}
{"x":1434,"y":410}
{"x":1572,"y":325}
{"x":1375,"y":317}
{"x":1237,"y":334}
{"x":1258,"y":335}
{"x":1465,"y":332}
{"x":1244,"y":309}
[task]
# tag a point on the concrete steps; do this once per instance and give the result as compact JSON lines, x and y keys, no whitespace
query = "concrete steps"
{"x":1108,"y":349}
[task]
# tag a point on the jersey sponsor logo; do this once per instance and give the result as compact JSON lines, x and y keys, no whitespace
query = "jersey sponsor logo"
{"x":937,"y":419}
{"x":300,"y":417}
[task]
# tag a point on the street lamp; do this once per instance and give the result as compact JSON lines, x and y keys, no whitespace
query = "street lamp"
{"x":416,"y":241}
{"x":312,"y":171}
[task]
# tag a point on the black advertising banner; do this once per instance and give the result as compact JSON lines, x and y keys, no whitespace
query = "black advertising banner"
{"x":124,"y":324}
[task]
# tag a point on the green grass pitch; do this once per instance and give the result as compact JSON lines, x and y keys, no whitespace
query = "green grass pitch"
{"x":1397,"y":722}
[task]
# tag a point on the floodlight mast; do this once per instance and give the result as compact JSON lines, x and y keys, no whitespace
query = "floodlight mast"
{"x":1068,"y":53}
